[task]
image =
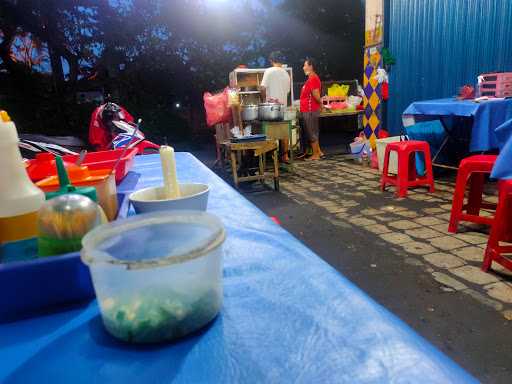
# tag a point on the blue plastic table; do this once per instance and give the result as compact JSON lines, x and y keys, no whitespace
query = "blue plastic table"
{"x":287,"y":317}
{"x":503,"y":167}
{"x":487,"y":116}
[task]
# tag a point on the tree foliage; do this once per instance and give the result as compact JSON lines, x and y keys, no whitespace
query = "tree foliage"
{"x":152,"y":53}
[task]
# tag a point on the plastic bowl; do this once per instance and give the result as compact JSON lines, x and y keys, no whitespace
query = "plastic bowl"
{"x":194,"y":197}
{"x":157,"y":276}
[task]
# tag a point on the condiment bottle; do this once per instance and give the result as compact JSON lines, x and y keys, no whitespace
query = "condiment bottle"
{"x":20,"y":199}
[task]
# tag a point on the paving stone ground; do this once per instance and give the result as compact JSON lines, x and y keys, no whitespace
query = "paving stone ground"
{"x":418,"y":224}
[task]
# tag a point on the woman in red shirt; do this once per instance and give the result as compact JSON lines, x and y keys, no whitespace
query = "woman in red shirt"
{"x":310,"y":106}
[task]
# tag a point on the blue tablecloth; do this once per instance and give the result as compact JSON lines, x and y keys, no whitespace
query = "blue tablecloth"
{"x":287,"y":317}
{"x":503,"y":167}
{"x":487,"y":116}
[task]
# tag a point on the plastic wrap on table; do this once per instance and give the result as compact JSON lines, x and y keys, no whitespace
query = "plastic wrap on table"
{"x":487,"y":116}
{"x":430,"y":131}
{"x":287,"y":317}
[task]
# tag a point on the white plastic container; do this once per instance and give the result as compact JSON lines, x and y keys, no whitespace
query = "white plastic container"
{"x":157,"y":276}
{"x":393,"y":157}
{"x":20,"y":199}
{"x":358,"y":148}
{"x":194,"y":196}
{"x":294,"y":138}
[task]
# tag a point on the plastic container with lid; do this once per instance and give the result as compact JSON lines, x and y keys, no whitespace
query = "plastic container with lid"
{"x":20,"y":199}
{"x":157,"y":276}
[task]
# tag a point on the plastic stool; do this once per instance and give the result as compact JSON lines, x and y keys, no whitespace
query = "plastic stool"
{"x":473,"y":169}
{"x":500,"y":229}
{"x":407,"y":176}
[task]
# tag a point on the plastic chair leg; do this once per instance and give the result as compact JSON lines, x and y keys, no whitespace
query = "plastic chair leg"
{"x":429,"y":173}
{"x":475,"y":193}
{"x":384,"y":171}
{"x":403,"y":174}
{"x":411,"y":174}
{"x":458,"y":200}
{"x":492,"y":250}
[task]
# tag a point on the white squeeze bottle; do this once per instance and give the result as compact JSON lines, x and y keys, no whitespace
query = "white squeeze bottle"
{"x":20,"y":199}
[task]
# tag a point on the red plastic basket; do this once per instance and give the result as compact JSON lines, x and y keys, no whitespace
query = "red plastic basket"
{"x":44,"y":164}
{"x":106,"y":160}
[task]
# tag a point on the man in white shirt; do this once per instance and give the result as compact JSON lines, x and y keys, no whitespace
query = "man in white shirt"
{"x":275,"y":87}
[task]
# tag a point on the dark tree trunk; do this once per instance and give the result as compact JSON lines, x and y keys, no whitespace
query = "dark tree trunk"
{"x":56,"y":62}
{"x":5,"y":49}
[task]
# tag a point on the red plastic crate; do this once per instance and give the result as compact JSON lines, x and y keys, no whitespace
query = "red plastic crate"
{"x":106,"y":160}
{"x":498,"y":84}
{"x":497,"y":76}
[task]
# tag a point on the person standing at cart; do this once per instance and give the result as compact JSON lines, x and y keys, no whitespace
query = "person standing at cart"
{"x":274,"y":87}
{"x":310,"y":106}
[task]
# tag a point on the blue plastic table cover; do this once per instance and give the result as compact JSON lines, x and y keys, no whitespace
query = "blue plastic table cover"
{"x":487,"y":116}
{"x":287,"y":317}
{"x":503,"y":166}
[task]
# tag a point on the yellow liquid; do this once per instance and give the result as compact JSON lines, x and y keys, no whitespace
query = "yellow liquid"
{"x":19,"y":227}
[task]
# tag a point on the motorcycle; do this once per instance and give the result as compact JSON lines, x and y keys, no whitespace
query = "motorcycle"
{"x":111,"y":127}
{"x":31,"y":145}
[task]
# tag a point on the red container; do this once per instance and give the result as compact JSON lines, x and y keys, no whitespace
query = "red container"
{"x":106,"y":160}
{"x":43,"y":165}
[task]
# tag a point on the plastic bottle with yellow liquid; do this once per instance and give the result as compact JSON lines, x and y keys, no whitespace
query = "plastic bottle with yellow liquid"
{"x":20,"y":199}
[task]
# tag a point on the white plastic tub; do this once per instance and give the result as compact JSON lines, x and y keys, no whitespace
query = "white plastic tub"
{"x":194,"y":197}
{"x":393,"y":157}
{"x":157,"y":276}
{"x":358,"y":149}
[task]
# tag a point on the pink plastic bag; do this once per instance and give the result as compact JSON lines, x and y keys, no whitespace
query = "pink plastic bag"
{"x":217,"y":108}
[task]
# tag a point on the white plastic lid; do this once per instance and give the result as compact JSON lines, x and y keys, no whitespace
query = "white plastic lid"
{"x":153,"y":239}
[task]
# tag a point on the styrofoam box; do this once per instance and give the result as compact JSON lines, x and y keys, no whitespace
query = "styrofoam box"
{"x":393,"y":156}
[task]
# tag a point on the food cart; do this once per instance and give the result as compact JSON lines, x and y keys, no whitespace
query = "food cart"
{"x":276,"y":125}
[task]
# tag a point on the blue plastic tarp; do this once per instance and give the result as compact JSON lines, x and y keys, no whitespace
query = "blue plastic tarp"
{"x":431,"y":132}
{"x":487,"y":116}
{"x":288,"y":317}
{"x":503,"y":167}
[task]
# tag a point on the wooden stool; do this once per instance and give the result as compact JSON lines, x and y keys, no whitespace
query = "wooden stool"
{"x":472,"y":169}
{"x":260,"y":148}
{"x":279,"y":130}
{"x":406,"y":176}
{"x":222,"y":134}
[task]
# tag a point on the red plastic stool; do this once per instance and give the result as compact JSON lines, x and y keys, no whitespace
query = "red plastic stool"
{"x":407,"y":176}
{"x":501,"y":229}
{"x":473,"y":169}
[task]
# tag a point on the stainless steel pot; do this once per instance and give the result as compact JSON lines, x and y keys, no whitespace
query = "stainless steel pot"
{"x":270,"y":111}
{"x":249,"y":112}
